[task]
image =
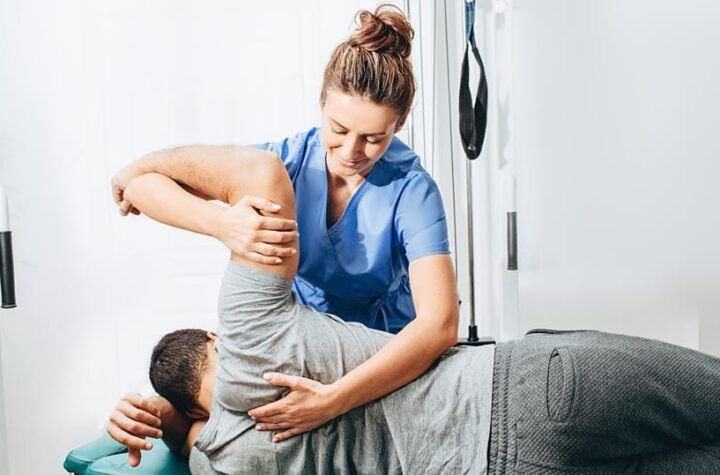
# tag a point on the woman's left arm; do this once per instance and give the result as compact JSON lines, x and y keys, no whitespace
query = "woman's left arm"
{"x":404,"y":358}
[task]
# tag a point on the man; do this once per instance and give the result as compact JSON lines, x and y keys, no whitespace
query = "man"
{"x":558,"y":402}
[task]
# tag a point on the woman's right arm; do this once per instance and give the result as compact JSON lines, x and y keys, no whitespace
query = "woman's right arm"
{"x":207,"y":172}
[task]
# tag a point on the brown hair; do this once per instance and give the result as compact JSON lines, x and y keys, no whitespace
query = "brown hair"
{"x":374,"y":63}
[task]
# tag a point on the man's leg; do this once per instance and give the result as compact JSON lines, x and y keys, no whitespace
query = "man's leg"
{"x":605,"y":403}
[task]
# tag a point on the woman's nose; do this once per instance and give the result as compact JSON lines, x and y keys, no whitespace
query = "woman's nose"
{"x":350,"y":148}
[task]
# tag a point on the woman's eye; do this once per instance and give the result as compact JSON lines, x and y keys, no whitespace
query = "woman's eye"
{"x":339,"y":132}
{"x":373,"y":141}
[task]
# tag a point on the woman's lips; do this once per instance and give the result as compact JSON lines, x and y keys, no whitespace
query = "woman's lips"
{"x":352,"y":163}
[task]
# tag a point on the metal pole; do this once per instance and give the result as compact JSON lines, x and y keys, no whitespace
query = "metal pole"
{"x":472,"y":329}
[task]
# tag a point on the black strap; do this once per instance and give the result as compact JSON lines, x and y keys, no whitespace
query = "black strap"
{"x":473,"y":119}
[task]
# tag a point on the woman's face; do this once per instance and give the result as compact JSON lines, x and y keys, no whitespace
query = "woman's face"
{"x":356,"y":132}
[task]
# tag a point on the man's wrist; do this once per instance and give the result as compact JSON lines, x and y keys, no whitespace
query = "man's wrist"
{"x":167,"y":410}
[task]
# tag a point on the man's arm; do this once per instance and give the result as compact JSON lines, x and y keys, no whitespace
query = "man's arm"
{"x":153,"y":194}
{"x":209,"y":169}
{"x":210,"y":172}
{"x":136,"y":417}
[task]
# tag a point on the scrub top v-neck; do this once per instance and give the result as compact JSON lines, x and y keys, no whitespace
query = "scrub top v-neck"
{"x":358,"y":268}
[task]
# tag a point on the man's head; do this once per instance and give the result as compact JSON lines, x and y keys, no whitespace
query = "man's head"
{"x":182,"y":370}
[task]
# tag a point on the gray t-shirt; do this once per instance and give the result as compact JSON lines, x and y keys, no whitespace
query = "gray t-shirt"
{"x":439,"y":423}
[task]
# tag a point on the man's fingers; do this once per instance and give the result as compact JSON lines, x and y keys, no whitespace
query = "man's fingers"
{"x":118,"y":194}
{"x":150,"y":407}
{"x":124,"y":207}
{"x":136,"y":413}
{"x":128,"y":440}
{"x":277,"y":224}
{"x":134,"y":427}
{"x":137,"y":401}
{"x":276,"y":237}
{"x":261,"y":204}
{"x":134,"y":457}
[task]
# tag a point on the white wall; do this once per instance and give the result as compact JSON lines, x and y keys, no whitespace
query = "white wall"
{"x":616,"y":105}
{"x":86,"y":87}
{"x":605,"y":111}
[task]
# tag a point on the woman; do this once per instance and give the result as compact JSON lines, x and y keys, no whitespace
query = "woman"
{"x":374,"y":245}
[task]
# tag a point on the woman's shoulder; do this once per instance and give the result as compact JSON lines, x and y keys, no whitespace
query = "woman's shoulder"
{"x":404,"y":163}
{"x":297,"y":142}
{"x":311,"y":135}
{"x":295,"y":149}
{"x":305,"y":142}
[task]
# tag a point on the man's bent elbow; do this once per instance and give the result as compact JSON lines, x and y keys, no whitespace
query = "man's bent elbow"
{"x":270,"y":179}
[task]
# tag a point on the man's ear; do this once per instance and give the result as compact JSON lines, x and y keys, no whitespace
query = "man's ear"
{"x":197,"y":413}
{"x":212,"y":336}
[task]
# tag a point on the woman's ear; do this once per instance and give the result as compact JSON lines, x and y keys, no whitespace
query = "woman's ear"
{"x":212,"y":336}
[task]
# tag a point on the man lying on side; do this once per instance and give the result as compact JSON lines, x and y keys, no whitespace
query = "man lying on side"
{"x":549,"y":403}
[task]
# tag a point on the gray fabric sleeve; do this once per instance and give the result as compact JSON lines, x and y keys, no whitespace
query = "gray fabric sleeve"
{"x":257,"y":334}
{"x":199,"y":463}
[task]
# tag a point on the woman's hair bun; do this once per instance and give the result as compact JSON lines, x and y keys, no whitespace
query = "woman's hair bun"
{"x":387,"y":30}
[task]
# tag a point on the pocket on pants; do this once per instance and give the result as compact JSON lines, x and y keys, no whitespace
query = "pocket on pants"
{"x":560,"y":389}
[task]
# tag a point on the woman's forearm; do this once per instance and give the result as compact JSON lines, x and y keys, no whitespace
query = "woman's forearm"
{"x":411,"y":352}
{"x":402,"y":360}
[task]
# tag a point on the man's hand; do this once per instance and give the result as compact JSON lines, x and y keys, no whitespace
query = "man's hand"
{"x":134,"y":418}
{"x":253,"y":236}
{"x":308,"y":405}
{"x":119,"y":182}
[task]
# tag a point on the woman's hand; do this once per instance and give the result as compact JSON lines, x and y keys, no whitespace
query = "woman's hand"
{"x":134,"y":418}
{"x":308,"y":405}
{"x":119,"y":183}
{"x":251,"y":235}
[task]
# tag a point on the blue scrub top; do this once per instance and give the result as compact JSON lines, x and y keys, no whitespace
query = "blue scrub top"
{"x":358,"y":268}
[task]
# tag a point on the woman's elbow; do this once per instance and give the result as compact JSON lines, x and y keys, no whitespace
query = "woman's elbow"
{"x":451,"y":332}
{"x":447,"y":333}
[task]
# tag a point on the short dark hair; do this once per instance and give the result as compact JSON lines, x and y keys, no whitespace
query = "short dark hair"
{"x":177,"y":364}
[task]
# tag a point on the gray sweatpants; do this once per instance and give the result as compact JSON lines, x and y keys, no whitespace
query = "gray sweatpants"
{"x":592,"y":402}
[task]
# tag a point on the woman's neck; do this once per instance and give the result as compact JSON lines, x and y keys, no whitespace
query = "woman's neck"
{"x":339,"y":182}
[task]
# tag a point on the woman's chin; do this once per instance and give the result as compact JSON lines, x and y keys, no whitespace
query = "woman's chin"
{"x":341,"y":169}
